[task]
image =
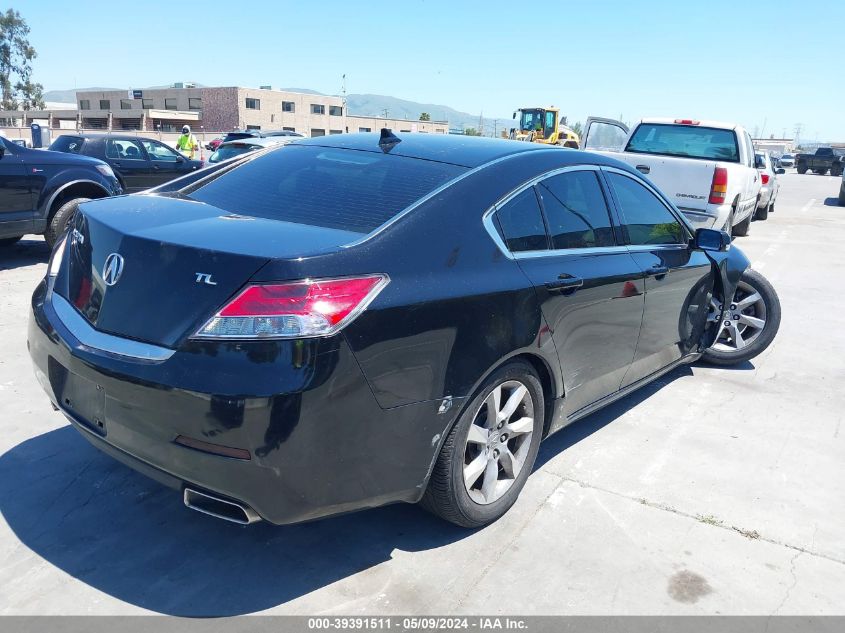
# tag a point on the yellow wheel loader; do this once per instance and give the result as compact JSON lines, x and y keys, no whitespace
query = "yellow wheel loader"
{"x":543,"y":125}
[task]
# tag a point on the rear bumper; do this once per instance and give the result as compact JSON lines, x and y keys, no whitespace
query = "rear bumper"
{"x":319,"y":444}
{"x":707,"y":218}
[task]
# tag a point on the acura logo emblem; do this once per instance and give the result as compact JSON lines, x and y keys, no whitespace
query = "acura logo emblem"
{"x":113,"y":269}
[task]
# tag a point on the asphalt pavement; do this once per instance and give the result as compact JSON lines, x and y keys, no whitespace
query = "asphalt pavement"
{"x":710,"y":491}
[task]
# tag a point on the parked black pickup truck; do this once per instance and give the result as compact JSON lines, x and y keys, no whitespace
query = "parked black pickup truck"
{"x":825,"y":158}
{"x":40,"y":190}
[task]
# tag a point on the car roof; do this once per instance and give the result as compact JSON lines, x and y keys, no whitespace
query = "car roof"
{"x":701,"y":122}
{"x":119,"y":137}
{"x":259,"y":141}
{"x":456,"y":149}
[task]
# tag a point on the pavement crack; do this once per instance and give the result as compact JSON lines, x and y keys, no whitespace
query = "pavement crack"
{"x":792,"y":586}
{"x":709,"y":520}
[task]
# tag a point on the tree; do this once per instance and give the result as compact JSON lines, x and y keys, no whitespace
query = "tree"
{"x":471,"y":131}
{"x":576,"y":127}
{"x":425,"y":116}
{"x":16,"y":57}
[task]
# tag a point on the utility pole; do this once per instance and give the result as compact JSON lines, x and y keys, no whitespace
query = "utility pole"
{"x":798,"y":128}
{"x":481,"y":123}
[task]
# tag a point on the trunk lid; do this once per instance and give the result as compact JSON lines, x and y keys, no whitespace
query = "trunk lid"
{"x":181,"y":261}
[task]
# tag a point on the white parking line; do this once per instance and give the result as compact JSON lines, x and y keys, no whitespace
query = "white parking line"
{"x":807,"y":206}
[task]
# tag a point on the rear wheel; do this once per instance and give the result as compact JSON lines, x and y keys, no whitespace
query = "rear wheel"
{"x":836,"y":170}
{"x":61,"y":220}
{"x":742,"y":229}
{"x":762,"y":212}
{"x":10,"y":241}
{"x":489,"y":453}
{"x":750,"y":324}
{"x":842,"y":195}
{"x":802,"y":169}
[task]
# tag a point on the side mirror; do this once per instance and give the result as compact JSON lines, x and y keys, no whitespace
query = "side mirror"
{"x":180,"y":158}
{"x":514,"y":115}
{"x":712,"y":240}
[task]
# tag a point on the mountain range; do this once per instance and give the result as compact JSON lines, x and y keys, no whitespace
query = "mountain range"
{"x":359,"y":104}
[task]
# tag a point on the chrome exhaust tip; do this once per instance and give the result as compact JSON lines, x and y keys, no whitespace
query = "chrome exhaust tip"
{"x":219,"y":508}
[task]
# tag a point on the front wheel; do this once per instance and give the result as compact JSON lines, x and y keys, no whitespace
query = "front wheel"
{"x":750,"y":323}
{"x":802,"y":169}
{"x":836,"y":171}
{"x":61,"y":220}
{"x":489,"y":453}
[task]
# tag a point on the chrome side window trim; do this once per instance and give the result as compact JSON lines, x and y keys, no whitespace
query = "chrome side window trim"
{"x":562,"y":252}
{"x":100,"y":341}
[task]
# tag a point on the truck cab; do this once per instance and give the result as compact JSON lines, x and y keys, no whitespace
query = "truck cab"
{"x":706,"y":168}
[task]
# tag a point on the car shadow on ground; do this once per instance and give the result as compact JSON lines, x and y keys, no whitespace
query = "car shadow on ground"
{"x":129,"y":537}
{"x":30,"y":250}
{"x":831,"y":202}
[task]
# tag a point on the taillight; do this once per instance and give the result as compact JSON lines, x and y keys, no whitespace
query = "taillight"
{"x":298,"y":309}
{"x":765,"y":178}
{"x":719,"y":187}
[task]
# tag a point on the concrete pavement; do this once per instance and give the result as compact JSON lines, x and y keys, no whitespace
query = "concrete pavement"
{"x":710,"y":491}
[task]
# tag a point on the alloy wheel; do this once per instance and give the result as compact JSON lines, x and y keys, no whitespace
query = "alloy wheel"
{"x":744,"y":318}
{"x":498,"y":442}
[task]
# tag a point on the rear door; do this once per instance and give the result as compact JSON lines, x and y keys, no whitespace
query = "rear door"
{"x":589,"y":286}
{"x":129,"y":159}
{"x":678,"y":277}
{"x":165,"y":162}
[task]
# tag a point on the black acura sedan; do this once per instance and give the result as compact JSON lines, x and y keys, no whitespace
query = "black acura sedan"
{"x":364,"y":319}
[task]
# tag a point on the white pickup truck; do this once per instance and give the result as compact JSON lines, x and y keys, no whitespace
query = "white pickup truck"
{"x":706,"y":168}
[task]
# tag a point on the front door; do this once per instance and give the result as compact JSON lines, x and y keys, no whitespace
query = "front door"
{"x":166,"y":162}
{"x":128,"y":158}
{"x":15,"y":192}
{"x":678,"y":277}
{"x":589,"y":286}
{"x":606,"y":135}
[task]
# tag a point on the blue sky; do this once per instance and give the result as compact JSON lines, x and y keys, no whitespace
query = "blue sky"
{"x":736,"y":61}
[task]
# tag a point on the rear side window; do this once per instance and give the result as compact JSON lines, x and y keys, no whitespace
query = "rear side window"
{"x":521,"y":223}
{"x":320,"y":186}
{"x":67,"y":144}
{"x":576,"y":211}
{"x":646,"y":219}
{"x":685,"y":141}
{"x":230,"y":151}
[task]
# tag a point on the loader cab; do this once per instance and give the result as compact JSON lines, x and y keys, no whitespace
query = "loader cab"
{"x":542,"y":122}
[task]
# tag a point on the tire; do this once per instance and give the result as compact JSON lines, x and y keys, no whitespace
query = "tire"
{"x":842,"y":195}
{"x":836,"y":171}
{"x":802,"y":169}
{"x":476,"y":504}
{"x":9,"y":241}
{"x":762,"y":213}
{"x":742,"y":229}
{"x":755,"y":338}
{"x":61,"y":219}
{"x":729,"y":223}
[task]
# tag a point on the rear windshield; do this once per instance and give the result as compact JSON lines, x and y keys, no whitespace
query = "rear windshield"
{"x":67,"y":144}
{"x":321,"y":186}
{"x":686,"y":141}
{"x":230,"y":151}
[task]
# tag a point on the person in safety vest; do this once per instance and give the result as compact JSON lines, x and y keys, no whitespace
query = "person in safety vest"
{"x":187,"y":144}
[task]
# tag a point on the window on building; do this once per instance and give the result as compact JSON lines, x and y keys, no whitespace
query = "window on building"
{"x":194,"y":103}
{"x":126,"y":104}
{"x":253,"y":104}
{"x":317,"y":108}
{"x":317,"y":132}
{"x":84,"y":104}
{"x":335,"y":110}
{"x":105,"y":104}
{"x":289,"y":129}
{"x":646,"y":218}
{"x":335,"y":131}
{"x":576,"y":211}
{"x":170,"y":103}
{"x":288,"y":106}
{"x":253,"y":127}
{"x":147,"y":104}
{"x":365,"y":129}
{"x":521,"y":223}
{"x":404,"y":130}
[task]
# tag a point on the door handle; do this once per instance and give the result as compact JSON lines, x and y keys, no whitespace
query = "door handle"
{"x":658,"y":270}
{"x":565,"y":283}
{"x":643,"y":169}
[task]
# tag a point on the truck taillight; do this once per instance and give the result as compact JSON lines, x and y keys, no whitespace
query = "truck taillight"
{"x":297,"y":309}
{"x":765,"y":178}
{"x":686,"y":122}
{"x":719,"y":186}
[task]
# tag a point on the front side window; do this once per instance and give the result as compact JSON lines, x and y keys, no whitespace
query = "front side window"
{"x":159,"y":151}
{"x":685,"y":141}
{"x":646,"y":219}
{"x":521,"y":223}
{"x":576,"y":211}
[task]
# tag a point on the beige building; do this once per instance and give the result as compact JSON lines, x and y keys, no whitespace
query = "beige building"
{"x":210,"y":111}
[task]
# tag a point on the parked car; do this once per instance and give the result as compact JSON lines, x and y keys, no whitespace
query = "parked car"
{"x":39,"y":191}
{"x":214,"y":143}
{"x":358,"y":320}
{"x":230,"y":149}
{"x":824,"y":159}
{"x":140,"y":163}
{"x":242,"y":134}
{"x":770,"y":185}
{"x":787,"y":160}
{"x":705,"y":167}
